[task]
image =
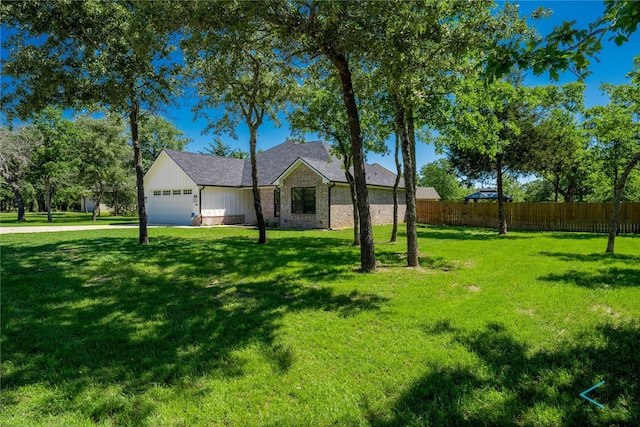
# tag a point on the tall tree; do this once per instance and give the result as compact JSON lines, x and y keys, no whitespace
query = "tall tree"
{"x":17,"y":149}
{"x":489,"y":133}
{"x":101,"y":147}
{"x":616,"y":129}
{"x":56,"y":157}
{"x":421,"y":49}
{"x":337,"y":31}
{"x":320,"y":110}
{"x":240,"y":69}
{"x":559,"y":155}
{"x":117,"y":54}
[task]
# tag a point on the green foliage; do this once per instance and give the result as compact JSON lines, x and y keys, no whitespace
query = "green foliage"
{"x":56,"y":156}
{"x":203,"y":328}
{"x":513,"y":188}
{"x":439,"y":175}
{"x":238,"y":68}
{"x":568,"y":47}
{"x":560,"y":152}
{"x":156,"y":134}
{"x":55,"y":160}
{"x":320,"y":109}
{"x":104,"y":151}
{"x":538,"y":190}
{"x":615,"y":129}
{"x":87,"y":53}
{"x":218,"y":148}
{"x":487,"y":125}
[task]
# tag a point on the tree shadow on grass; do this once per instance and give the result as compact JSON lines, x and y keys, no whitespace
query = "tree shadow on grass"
{"x":593,"y":257}
{"x":399,"y":259}
{"x":610,"y":275}
{"x":104,"y":312}
{"x":464,"y":233}
{"x":514,"y":386}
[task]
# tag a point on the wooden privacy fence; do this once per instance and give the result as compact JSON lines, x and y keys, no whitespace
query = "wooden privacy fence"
{"x":591,"y":217}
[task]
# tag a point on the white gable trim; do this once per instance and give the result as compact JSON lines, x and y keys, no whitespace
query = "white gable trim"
{"x":165,"y":173}
{"x":299,"y":161}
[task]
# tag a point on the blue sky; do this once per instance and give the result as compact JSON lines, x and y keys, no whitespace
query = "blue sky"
{"x":615,"y":63}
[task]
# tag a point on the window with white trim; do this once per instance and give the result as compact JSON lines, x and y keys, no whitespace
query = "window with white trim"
{"x":166,"y":192}
{"x":177,"y":192}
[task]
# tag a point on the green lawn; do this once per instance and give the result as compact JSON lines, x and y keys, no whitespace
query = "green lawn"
{"x":10,"y":219}
{"x":205,"y":327}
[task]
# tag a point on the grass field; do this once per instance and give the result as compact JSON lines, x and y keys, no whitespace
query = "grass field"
{"x":203,"y":327}
{"x":10,"y":219}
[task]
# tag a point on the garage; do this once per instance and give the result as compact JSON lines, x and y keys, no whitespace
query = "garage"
{"x":170,"y":207}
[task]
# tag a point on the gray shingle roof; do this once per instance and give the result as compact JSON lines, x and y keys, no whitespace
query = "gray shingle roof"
{"x":205,"y":169}
{"x":274,"y":161}
{"x":427,"y":193}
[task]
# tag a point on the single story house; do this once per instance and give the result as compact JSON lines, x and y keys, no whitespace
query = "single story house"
{"x":302,"y":185}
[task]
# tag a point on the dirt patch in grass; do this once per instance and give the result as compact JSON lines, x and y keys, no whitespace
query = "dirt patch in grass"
{"x":606,"y":310}
{"x":528,"y":311}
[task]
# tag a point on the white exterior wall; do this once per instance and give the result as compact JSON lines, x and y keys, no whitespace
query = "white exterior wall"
{"x":221,"y":201}
{"x":165,"y":175}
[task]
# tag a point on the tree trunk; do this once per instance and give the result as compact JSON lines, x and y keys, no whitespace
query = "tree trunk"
{"x":502,"y":217}
{"x":394,"y":231}
{"x":143,"y":238}
{"x":354,"y":199}
{"x":47,"y":197}
{"x":570,"y":194}
{"x":412,"y":217}
{"x":17,"y":194}
{"x":615,"y":215}
{"x":262,"y":229}
{"x":96,"y":207}
{"x":116,"y":207}
{"x":409,"y":182}
{"x":367,"y":249}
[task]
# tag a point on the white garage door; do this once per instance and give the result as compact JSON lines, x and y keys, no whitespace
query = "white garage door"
{"x":170,"y":208}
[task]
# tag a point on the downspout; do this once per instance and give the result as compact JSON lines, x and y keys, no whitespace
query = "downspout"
{"x":279,"y":207}
{"x":333,"y":184}
{"x":200,"y":200}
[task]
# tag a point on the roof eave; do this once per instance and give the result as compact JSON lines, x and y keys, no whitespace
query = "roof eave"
{"x":299,"y":161}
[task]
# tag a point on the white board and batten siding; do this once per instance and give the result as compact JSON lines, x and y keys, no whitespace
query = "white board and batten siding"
{"x":223,"y":201}
{"x":171,"y":193}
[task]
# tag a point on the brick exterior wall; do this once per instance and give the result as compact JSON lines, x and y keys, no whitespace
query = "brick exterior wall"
{"x":302,"y":176}
{"x":267,"y":202}
{"x":380,"y":201}
{"x":380,"y":206}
